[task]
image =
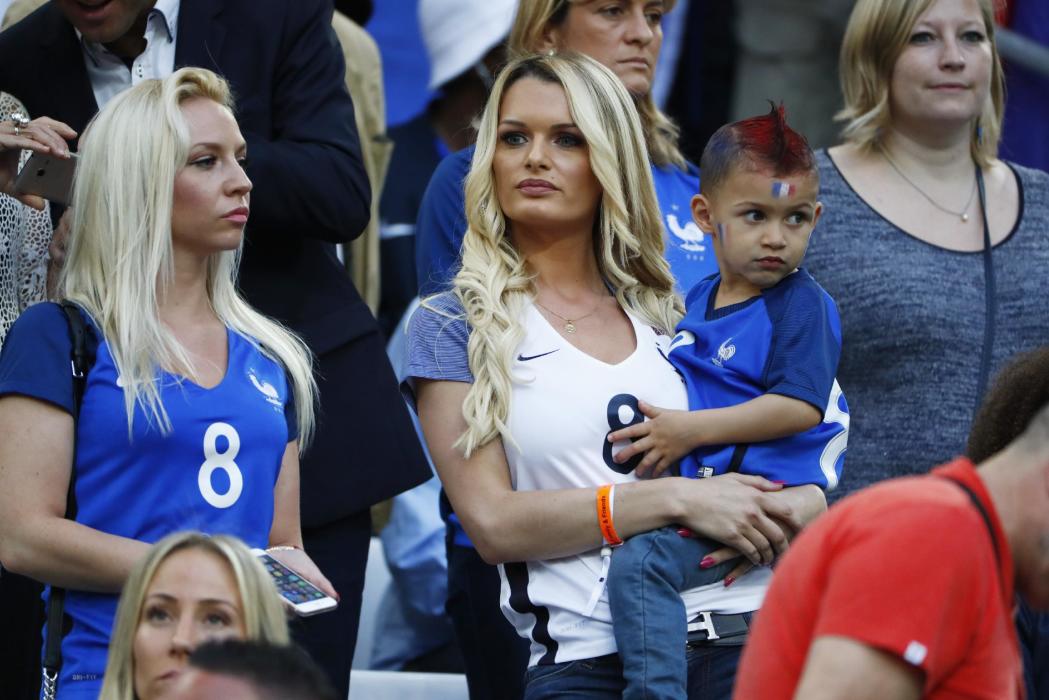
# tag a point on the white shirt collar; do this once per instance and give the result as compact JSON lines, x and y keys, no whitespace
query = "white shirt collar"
{"x":164,"y":13}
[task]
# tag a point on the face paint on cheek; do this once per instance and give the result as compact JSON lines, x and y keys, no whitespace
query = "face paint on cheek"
{"x":721,"y":229}
{"x":782,"y":190}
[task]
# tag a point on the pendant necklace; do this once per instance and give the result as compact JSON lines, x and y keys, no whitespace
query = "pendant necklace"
{"x":963,"y":214}
{"x":569,"y":326}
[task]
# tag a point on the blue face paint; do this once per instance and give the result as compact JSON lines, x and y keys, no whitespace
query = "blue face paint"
{"x":721,"y":230}
{"x":782,"y":190}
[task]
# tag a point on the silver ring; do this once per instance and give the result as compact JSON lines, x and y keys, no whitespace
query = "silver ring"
{"x":20,"y":120}
{"x":18,"y":131}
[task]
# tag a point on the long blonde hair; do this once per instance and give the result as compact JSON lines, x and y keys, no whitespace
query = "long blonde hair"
{"x":536,"y":17}
{"x":495,"y":283}
{"x":120,"y":254}
{"x":260,"y":603}
{"x":877,"y":33}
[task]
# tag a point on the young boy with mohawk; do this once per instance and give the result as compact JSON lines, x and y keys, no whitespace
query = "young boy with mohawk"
{"x":758,"y":349}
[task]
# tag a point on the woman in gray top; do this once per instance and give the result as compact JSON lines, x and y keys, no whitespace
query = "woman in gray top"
{"x":933,"y":301}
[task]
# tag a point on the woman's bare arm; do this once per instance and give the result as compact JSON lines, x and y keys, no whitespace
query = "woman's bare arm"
{"x":508,"y":525}
{"x":36,"y":539}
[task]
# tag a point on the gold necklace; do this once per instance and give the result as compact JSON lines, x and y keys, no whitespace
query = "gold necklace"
{"x":963,"y":214}
{"x":569,"y":326}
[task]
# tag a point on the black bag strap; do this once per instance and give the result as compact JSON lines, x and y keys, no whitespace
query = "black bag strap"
{"x":79,"y":364}
{"x":986,"y":521}
{"x":990,"y":292}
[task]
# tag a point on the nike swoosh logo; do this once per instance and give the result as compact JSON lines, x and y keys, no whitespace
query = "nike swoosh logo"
{"x":522,"y":358}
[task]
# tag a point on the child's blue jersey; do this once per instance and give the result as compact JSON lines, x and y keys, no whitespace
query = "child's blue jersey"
{"x":214,"y":472}
{"x":785,"y":341}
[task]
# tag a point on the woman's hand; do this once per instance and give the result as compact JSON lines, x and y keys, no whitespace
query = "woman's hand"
{"x":43,"y":135}
{"x":667,"y":436}
{"x":298,"y":561}
{"x":807,"y":502}
{"x":741,"y":512}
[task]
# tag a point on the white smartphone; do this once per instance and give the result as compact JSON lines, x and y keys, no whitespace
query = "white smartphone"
{"x":47,"y":176}
{"x":303,"y":597}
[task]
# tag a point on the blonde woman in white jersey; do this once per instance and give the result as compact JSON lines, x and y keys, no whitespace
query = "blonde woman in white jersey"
{"x":555,"y":327}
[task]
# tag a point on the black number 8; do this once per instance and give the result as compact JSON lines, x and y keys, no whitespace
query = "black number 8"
{"x":615,"y":423}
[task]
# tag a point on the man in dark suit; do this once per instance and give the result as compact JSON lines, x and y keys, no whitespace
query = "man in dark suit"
{"x":310,"y":193}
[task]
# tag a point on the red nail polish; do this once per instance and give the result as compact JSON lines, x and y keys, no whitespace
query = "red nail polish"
{"x":707,"y":563}
{"x":779,"y":481}
{"x":729,"y":580}
{"x":684,"y":532}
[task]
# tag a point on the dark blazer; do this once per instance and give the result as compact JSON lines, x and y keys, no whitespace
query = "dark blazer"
{"x":310,"y":192}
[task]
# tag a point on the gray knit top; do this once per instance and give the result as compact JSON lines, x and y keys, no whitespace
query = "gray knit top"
{"x":914,"y":318}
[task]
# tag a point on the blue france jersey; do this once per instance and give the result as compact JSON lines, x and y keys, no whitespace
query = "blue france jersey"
{"x":215,"y":471}
{"x":785,"y":341}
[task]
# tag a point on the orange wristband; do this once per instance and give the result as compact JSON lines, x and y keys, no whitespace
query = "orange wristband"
{"x":605,"y":494}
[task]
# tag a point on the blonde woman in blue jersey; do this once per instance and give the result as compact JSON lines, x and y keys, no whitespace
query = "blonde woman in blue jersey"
{"x":554,"y":329}
{"x":195,"y":404}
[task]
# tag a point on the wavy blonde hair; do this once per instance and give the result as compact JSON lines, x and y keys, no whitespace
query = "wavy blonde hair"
{"x":260,"y":603}
{"x":495,"y":284}
{"x":536,"y":17}
{"x":877,"y":33}
{"x":120,"y":255}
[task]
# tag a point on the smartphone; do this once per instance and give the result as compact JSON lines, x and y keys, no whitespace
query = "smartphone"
{"x":305,"y":598}
{"x":47,"y":176}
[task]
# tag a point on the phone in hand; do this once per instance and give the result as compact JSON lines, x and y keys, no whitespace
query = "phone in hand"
{"x":303,"y":597}
{"x":47,"y":176}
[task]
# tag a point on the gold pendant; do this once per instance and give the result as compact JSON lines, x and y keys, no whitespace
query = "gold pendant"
{"x":569,"y":327}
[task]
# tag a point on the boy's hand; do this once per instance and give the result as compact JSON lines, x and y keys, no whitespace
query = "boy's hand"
{"x":665,"y":437}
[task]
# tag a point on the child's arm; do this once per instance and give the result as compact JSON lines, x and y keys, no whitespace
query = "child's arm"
{"x":668,"y":435}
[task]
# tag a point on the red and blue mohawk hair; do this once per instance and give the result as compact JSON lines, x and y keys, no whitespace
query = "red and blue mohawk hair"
{"x":765,"y":143}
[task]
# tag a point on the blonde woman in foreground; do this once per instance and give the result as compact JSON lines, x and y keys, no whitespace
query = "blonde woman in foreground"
{"x":195,"y":405}
{"x":516,"y":400}
{"x":189,"y":589}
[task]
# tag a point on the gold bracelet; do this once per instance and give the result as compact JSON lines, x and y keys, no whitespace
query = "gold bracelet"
{"x":283,"y":548}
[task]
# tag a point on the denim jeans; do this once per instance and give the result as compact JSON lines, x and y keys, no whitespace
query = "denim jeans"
{"x":711,"y":672}
{"x":645,"y":582}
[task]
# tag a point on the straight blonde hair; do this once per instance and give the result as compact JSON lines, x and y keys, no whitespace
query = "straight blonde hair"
{"x":120,"y":254}
{"x":260,"y":603}
{"x":877,"y":33}
{"x":495,"y":284}
{"x":536,"y":17}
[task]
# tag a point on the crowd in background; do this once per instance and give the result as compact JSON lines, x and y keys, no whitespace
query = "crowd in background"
{"x":370,"y":146}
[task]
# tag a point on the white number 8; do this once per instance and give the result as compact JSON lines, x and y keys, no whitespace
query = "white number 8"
{"x":224,"y":461}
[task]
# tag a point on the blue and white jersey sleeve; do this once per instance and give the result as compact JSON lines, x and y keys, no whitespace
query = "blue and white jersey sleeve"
{"x":786,"y":341}
{"x":437,"y":338}
{"x":441,"y":223}
{"x":34,"y":361}
{"x":806,"y":341}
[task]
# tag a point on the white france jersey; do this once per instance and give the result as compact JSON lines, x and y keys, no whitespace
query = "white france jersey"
{"x":564,"y":404}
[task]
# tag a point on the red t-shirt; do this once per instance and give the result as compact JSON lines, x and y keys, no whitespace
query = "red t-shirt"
{"x":907,"y":567}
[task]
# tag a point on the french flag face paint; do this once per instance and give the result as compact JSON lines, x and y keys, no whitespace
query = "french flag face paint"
{"x":782,"y":190}
{"x":721,"y":230}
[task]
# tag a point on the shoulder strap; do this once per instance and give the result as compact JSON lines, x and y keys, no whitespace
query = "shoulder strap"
{"x":79,"y":364}
{"x":986,"y":521}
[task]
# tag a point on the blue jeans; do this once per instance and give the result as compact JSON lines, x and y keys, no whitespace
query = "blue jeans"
{"x":711,"y":672}
{"x":645,"y":582}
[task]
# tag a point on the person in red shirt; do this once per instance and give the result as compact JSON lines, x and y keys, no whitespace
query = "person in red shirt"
{"x":905,"y":590}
